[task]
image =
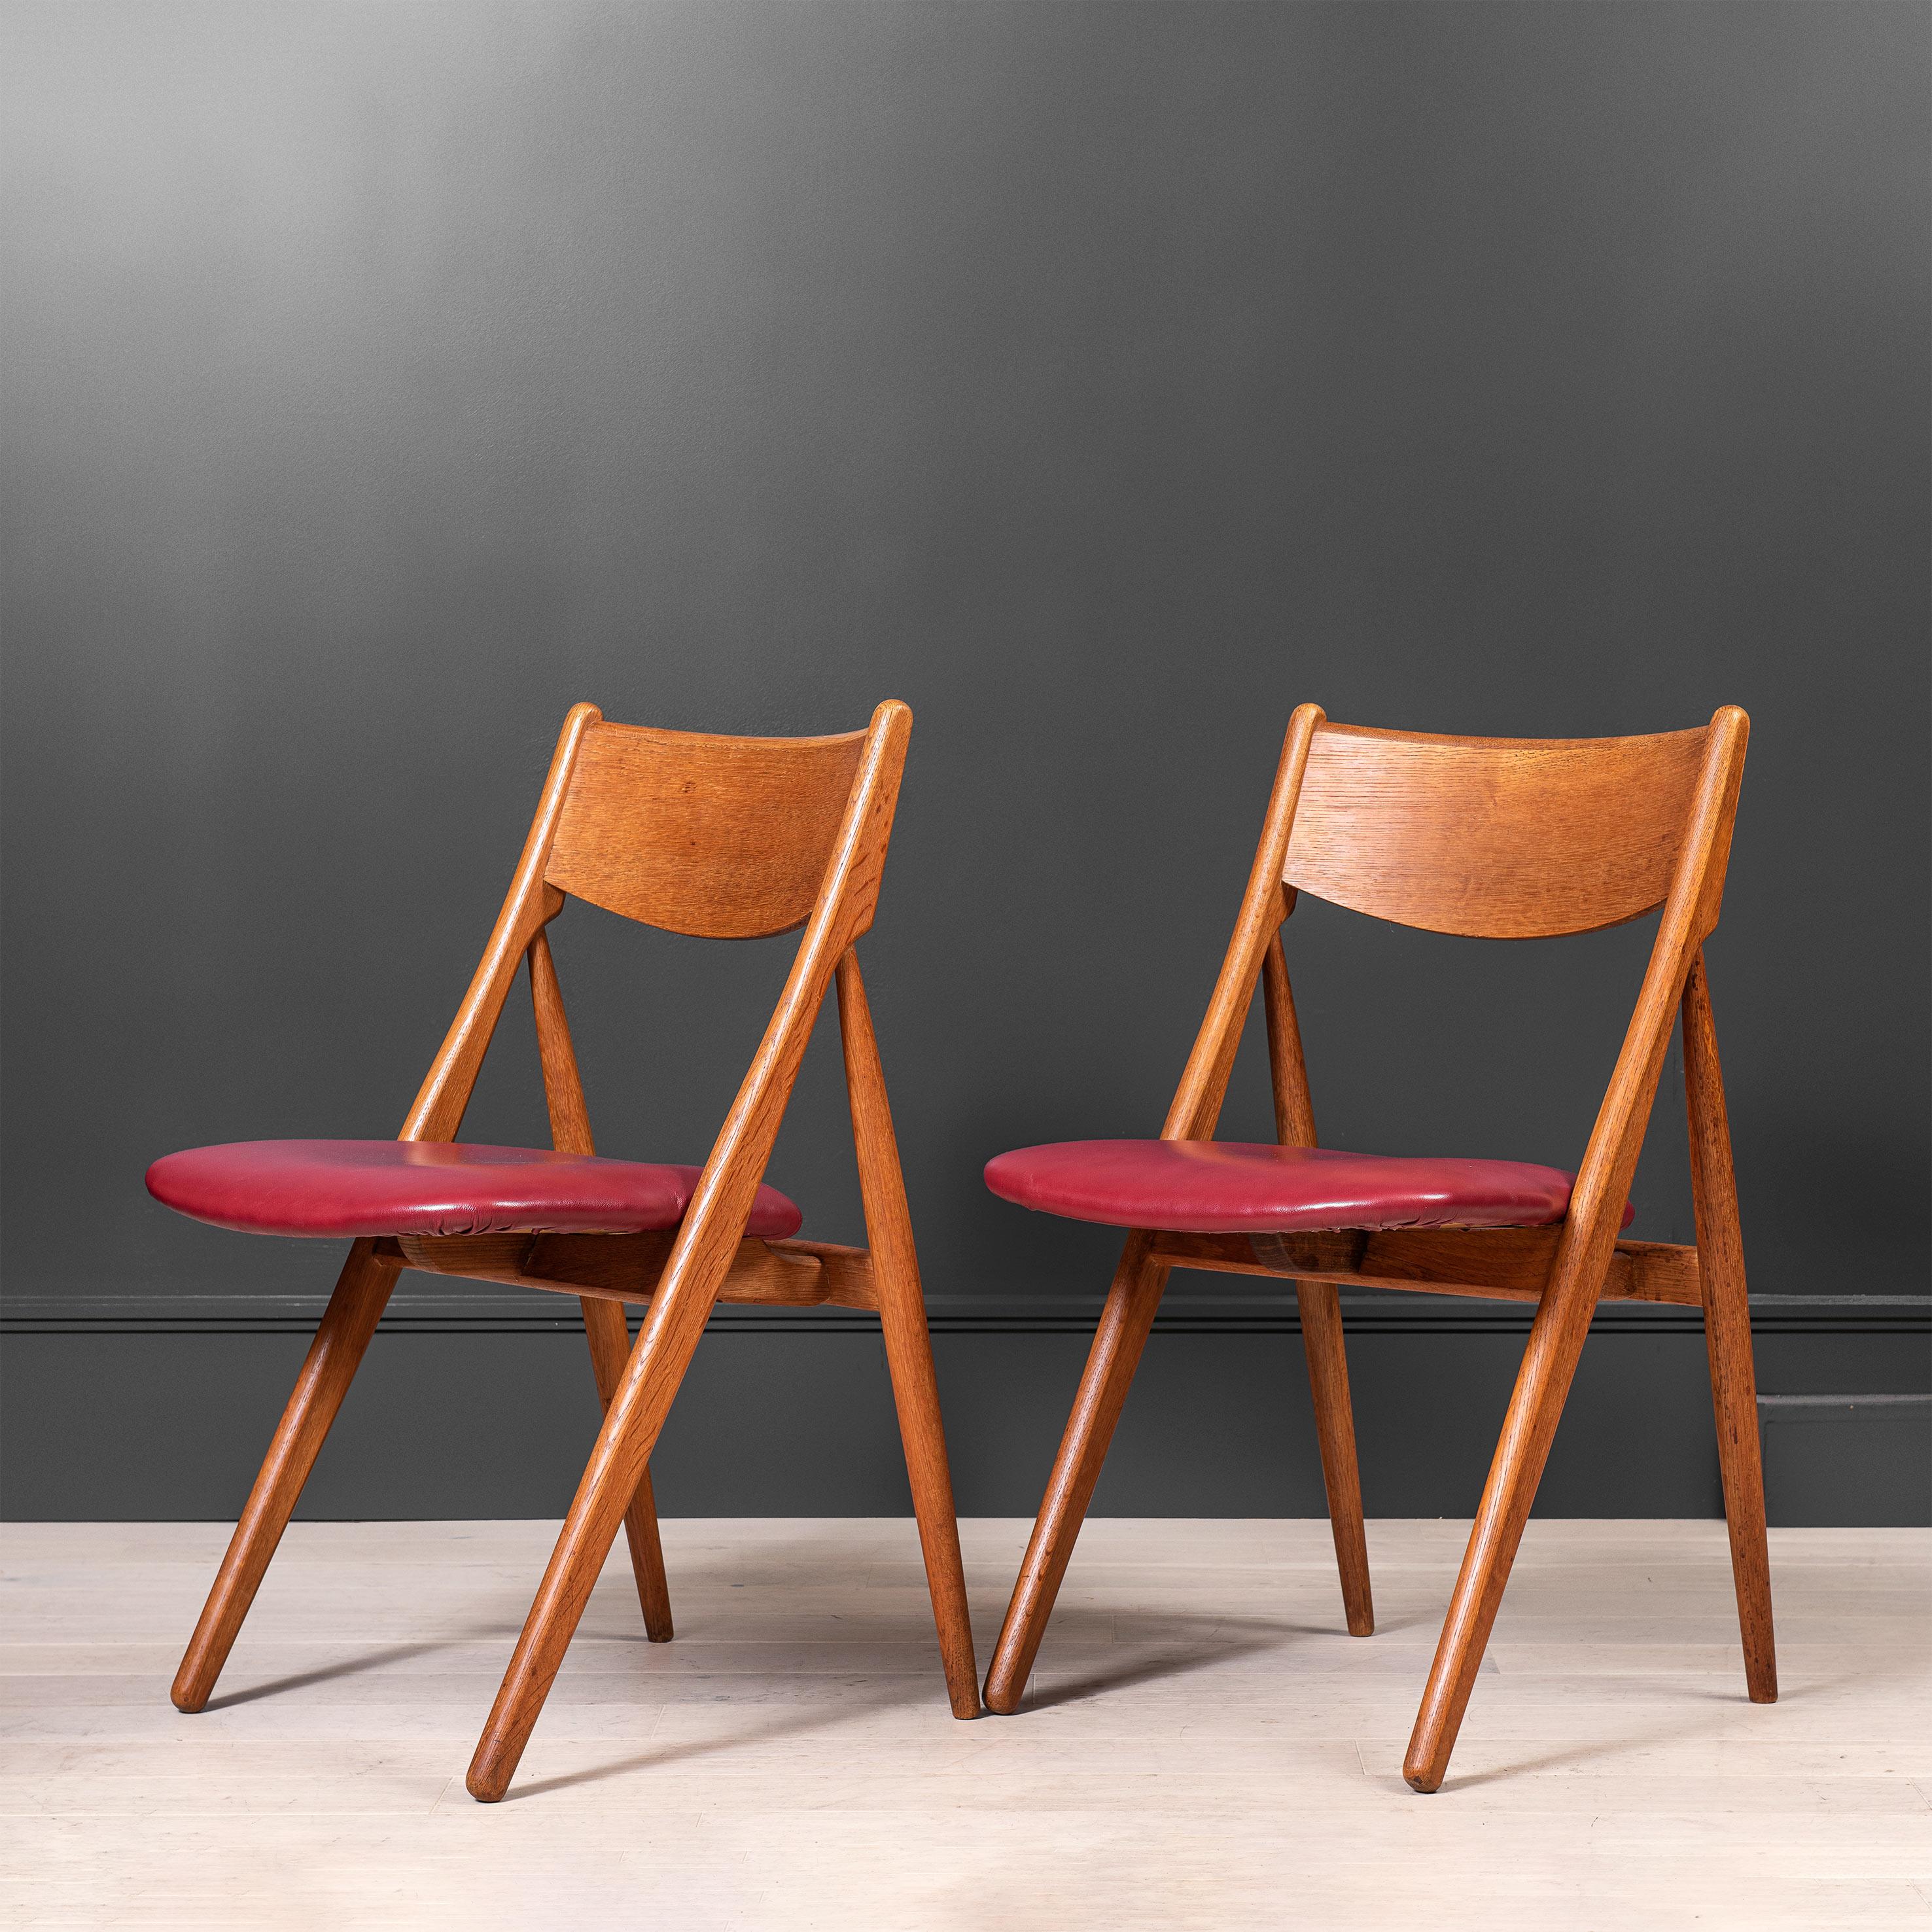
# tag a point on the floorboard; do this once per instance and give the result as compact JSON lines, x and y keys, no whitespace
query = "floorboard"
{"x":1203,"y":1747}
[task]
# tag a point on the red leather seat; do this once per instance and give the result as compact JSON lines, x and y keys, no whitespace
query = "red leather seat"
{"x":433,"y":1187}
{"x":1241,"y":1187}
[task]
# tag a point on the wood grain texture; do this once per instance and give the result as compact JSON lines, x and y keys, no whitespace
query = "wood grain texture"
{"x":713,"y":836}
{"x":369,"y":1272}
{"x":1581,"y":1262}
{"x":1727,"y":1336}
{"x":1133,"y":1301}
{"x":610,"y":1338}
{"x":604,"y":1326}
{"x":1203,"y":1081}
{"x":701,"y":1256}
{"x":1489,"y":1264}
{"x":528,"y":907}
{"x":1494,"y":838}
{"x":1211,"y":1754}
{"x":908,"y":1347}
{"x":556,"y":1056}
{"x":1322,"y":1340}
{"x":628,"y":1267}
{"x":1501,"y":838}
{"x":361,"y":1292}
{"x":720,"y":838}
{"x":1141,"y":1278}
{"x":1288,"y":1071}
{"x":1322,"y":1344}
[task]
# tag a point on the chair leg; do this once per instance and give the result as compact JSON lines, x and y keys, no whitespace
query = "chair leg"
{"x":1727,"y":1336}
{"x":908,"y":1346}
{"x":610,"y":1481}
{"x":1138,"y":1285}
{"x":1542,"y":1383}
{"x":609,"y":1338}
{"x":916,"y":1396}
{"x":361,"y":1291}
{"x":1335,"y":1428}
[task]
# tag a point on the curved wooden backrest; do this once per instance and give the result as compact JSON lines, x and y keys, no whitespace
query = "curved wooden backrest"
{"x":718,"y":837}
{"x":1493,"y":838}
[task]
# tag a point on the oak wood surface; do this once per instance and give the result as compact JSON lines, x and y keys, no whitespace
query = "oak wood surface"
{"x":1203,"y":1081}
{"x":1133,"y":1301}
{"x":1494,"y":838}
{"x":528,"y":907}
{"x":1140,"y":1279}
{"x":1287,"y":1071}
{"x":719,"y":837}
{"x":1582,"y":1261}
{"x":557,"y":1055}
{"x":1322,"y":1341}
{"x":628,"y":1267}
{"x":702,"y":1254}
{"x":609,"y":1336}
{"x":361,"y":1292}
{"x":1489,"y":1264}
{"x":1727,"y":1336}
{"x":902,"y":1323}
{"x":369,"y":1272}
{"x":604,"y":1326}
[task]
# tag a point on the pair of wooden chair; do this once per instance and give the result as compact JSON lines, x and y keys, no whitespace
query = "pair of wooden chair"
{"x":737,"y":838}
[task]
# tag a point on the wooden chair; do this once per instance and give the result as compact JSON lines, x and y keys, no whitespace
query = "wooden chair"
{"x":1504,"y":838}
{"x":718,"y":837}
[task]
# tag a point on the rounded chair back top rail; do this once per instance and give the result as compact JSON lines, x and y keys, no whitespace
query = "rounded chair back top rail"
{"x":718,"y":837}
{"x":1493,"y":837}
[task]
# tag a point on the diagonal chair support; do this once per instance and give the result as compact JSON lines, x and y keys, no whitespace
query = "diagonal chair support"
{"x":1140,"y":1279}
{"x":1727,"y":1336}
{"x":637,"y":1411}
{"x":1132,"y":1302}
{"x":605,"y":1328}
{"x":610,"y":1337}
{"x":1319,"y":1305}
{"x":362,"y":1293}
{"x":908,"y":1347}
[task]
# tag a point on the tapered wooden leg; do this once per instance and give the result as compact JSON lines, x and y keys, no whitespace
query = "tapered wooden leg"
{"x":1138,"y":1283}
{"x":610,"y":1340}
{"x":908,"y":1346}
{"x":1335,"y":1428}
{"x":617,"y":1464}
{"x":1727,"y":1337}
{"x":1549,"y":1363}
{"x":361,"y":1291}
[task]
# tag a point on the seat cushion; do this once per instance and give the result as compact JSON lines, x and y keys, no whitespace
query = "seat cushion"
{"x":433,"y":1187}
{"x":1241,"y":1187}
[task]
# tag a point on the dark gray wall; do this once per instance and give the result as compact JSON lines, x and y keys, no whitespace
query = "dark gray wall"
{"x":1101,"y":379}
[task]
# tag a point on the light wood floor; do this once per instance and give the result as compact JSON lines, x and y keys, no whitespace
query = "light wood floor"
{"x":1205,"y":1748}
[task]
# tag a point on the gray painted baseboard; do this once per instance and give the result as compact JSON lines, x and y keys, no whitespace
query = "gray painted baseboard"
{"x":481,"y":1405}
{"x":1852,"y":1459}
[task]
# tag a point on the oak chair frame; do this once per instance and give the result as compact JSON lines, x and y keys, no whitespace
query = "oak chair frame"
{"x":1501,"y":838}
{"x":796,"y":832}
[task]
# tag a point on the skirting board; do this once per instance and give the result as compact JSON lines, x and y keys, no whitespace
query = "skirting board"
{"x":1849,"y":1461}
{"x":159,"y":1408}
